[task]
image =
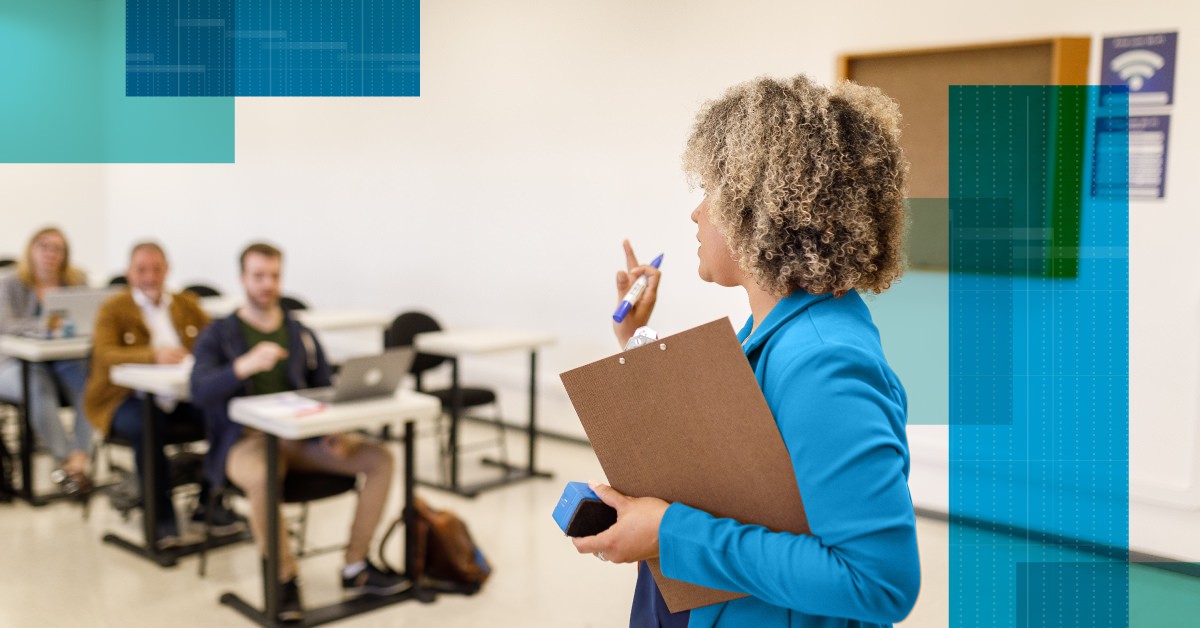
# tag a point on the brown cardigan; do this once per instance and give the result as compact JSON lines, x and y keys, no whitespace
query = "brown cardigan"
{"x":121,"y":337}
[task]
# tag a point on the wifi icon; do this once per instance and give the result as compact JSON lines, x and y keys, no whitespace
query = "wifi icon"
{"x":1135,"y":66}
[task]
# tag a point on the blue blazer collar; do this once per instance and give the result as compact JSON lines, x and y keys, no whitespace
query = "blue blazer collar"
{"x":787,"y":309}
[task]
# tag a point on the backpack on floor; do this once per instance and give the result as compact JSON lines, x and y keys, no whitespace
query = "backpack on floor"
{"x":445,"y":556}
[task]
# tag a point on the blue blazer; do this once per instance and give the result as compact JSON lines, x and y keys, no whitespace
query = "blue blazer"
{"x":841,"y":412}
{"x":214,"y":385}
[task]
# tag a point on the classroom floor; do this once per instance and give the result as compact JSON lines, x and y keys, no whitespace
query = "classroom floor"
{"x":58,"y":573}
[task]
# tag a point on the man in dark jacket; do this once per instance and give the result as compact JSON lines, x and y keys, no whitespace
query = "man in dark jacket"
{"x":257,"y":350}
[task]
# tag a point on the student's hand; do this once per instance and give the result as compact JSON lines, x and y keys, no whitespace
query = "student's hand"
{"x":634,"y":536}
{"x":640,"y":314}
{"x":170,"y":355}
{"x":260,"y":359}
{"x":341,"y":445}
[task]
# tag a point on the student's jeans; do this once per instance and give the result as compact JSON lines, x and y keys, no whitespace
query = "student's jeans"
{"x":184,"y":424}
{"x":42,"y":405}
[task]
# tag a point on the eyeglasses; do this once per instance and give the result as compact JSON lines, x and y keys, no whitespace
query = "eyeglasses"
{"x":50,"y":247}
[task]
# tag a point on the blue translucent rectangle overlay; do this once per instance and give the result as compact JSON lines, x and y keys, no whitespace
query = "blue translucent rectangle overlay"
{"x":1048,"y":594}
{"x":1039,"y":366}
{"x":65,"y":99}
{"x":273,"y":48}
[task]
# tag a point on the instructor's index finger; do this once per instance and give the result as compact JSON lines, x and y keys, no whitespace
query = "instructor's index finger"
{"x":630,"y":259}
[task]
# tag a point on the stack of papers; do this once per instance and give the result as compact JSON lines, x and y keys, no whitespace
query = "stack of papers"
{"x":281,"y":405}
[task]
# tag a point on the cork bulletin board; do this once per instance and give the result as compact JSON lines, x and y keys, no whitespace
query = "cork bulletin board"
{"x":919,"y":80}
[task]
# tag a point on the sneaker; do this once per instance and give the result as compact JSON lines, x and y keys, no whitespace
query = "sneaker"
{"x":126,"y":495}
{"x":290,"y":609}
{"x":168,"y":535}
{"x":373,"y":581}
{"x":223,"y":521}
{"x":73,"y":483}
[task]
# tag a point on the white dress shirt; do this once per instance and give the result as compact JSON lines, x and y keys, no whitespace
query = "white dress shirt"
{"x":162,"y":331}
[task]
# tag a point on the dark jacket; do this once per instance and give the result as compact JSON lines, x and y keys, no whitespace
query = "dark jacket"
{"x":214,"y":384}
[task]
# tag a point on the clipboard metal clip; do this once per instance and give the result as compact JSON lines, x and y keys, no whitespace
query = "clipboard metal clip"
{"x":643,"y":336}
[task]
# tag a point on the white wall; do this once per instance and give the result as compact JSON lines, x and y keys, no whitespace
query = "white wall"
{"x":70,"y":196}
{"x":546,"y":132}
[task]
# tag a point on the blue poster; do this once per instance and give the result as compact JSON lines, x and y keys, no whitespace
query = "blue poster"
{"x":1143,"y":63}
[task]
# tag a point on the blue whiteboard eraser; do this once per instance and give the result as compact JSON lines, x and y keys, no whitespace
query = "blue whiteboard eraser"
{"x":580,"y":512}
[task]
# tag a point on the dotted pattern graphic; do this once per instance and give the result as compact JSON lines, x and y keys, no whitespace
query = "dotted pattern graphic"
{"x":1039,"y":346}
{"x":273,"y":48}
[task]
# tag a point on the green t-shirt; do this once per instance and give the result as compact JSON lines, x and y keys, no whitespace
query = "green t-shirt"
{"x":274,"y":380}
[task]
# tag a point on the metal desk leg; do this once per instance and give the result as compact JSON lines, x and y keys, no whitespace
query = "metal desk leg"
{"x":409,"y":511}
{"x":271,"y":572}
{"x":455,"y":413}
{"x":150,"y":490}
{"x":532,"y":410}
{"x":269,"y":615}
{"x":150,"y":477}
{"x":511,"y":473}
{"x":26,"y":490}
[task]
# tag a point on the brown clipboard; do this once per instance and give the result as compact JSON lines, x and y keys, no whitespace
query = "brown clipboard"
{"x":683,"y":419}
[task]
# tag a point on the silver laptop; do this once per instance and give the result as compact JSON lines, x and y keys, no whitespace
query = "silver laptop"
{"x":79,"y":305}
{"x":366,"y":377}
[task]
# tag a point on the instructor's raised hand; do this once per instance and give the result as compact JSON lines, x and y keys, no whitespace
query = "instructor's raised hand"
{"x":640,"y":314}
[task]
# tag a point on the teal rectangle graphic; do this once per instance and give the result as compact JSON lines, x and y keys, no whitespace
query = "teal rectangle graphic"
{"x":1039,"y":365}
{"x":65,"y":96}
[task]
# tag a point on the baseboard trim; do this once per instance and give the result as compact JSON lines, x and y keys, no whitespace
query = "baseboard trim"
{"x":1089,"y":547}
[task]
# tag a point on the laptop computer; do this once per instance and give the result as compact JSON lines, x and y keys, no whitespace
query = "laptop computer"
{"x":366,"y":377}
{"x":77,"y":304}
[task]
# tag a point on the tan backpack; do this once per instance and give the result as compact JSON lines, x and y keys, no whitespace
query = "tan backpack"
{"x":445,"y":558}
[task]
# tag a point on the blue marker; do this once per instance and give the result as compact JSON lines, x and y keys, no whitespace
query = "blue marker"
{"x":635,"y":291}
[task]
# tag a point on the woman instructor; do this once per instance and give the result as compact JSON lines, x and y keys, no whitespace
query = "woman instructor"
{"x":804,"y":209}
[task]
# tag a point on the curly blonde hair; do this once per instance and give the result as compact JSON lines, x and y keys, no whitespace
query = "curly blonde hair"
{"x":806,"y":183}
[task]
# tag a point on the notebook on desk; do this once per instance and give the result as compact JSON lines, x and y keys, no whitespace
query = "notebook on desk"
{"x":78,"y":305}
{"x":366,"y":377}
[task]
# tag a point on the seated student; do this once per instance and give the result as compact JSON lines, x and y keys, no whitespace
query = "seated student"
{"x":46,"y":267}
{"x":258,"y":350}
{"x":146,"y":324}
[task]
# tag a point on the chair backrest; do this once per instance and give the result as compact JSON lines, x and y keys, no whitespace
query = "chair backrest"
{"x":403,"y":329}
{"x":202,"y":290}
{"x":118,"y":280}
{"x":291,"y":303}
{"x":7,"y":261}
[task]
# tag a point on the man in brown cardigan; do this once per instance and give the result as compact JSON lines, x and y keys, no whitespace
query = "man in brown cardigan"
{"x":148,"y":325}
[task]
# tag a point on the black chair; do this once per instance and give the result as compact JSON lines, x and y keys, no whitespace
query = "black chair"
{"x":290,"y":304}
{"x":118,"y":280}
{"x":201,"y":290}
{"x":7,"y":261}
{"x":298,"y":488}
{"x":401,"y":333}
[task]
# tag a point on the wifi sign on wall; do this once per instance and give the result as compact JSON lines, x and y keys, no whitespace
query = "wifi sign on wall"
{"x":1134,"y":125}
{"x":1145,"y":64}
